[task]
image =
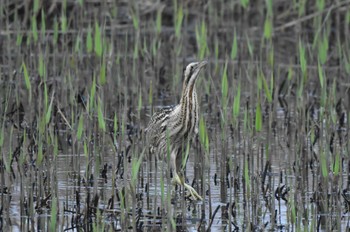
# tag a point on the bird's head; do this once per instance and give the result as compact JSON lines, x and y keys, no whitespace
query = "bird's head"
{"x":191,"y":73}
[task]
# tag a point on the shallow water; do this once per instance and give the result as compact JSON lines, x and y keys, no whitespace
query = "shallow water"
{"x":71,"y":126}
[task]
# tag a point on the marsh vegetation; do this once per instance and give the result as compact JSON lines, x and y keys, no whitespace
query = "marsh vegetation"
{"x":80,"y":79}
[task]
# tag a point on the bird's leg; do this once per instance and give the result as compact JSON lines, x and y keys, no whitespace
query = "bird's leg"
{"x":181,"y":181}
{"x":178,"y":178}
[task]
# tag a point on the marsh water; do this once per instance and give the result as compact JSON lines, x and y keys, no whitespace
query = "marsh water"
{"x":79,"y":81}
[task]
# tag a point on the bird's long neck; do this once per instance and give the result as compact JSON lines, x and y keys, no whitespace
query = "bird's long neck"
{"x":189,"y":108}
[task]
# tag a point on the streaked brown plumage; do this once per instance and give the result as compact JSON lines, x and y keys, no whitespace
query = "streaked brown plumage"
{"x":178,"y":125}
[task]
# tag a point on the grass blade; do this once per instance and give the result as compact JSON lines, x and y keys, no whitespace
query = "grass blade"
{"x":27,"y":80}
{"x":234,"y":48}
{"x":53,"y":214}
{"x":258,"y":117}
{"x":237,"y":102}
{"x":224,"y":86}
{"x":101,"y":121}
{"x":49,"y":110}
{"x":98,"y":41}
{"x":80,"y":127}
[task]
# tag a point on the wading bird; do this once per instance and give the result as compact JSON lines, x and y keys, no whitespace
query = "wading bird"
{"x":173,"y":128}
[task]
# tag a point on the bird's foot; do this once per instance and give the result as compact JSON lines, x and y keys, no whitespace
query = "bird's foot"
{"x":193,"y":192}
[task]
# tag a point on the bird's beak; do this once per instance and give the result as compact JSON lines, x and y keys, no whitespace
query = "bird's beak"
{"x":202,"y":64}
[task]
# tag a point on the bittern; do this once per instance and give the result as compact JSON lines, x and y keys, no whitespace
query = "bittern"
{"x":174,"y":127}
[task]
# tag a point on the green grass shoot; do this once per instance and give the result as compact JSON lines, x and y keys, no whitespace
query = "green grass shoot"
{"x":46,"y":97}
{"x":41,"y":65}
{"x":136,"y":50}
{"x":139,"y":105}
{"x":55,"y":147}
{"x":98,"y":40}
{"x":34,"y":29}
{"x":156,"y":44}
{"x":301,"y":7}
{"x":224,"y":87}
{"x":98,"y":225}
{"x":36,"y":6}
{"x":80,"y":126}
{"x":346,"y":61}
{"x":236,"y":102}
{"x":135,"y":18}
{"x":86,"y":150}
{"x":29,"y":40}
{"x":19,"y":39}
{"x":324,"y":168}
{"x":258,"y":116}
{"x":7,"y":162}
{"x":246,"y":123}
{"x":115,"y":124}
{"x":55,"y":31}
{"x":179,"y":16}
{"x":337,"y":163}
{"x":49,"y":110}
{"x":54,"y":211}
{"x":145,"y":49}
{"x":201,"y":36}
{"x":40,"y":154}
{"x":77,"y":47}
{"x":323,"y":49}
{"x":300,"y":90}
{"x":2,"y":136}
{"x":43,"y":24}
{"x":150,"y":94}
{"x":244,"y":3}
{"x":250,"y":46}
{"x":269,"y":7}
{"x":268,"y":92}
{"x":216,"y":50}
{"x":271,"y":57}
{"x":246,"y":176}
{"x":302,"y":59}
{"x":293,"y":213}
{"x":123,"y":127}
{"x":103,"y":72}
{"x":92,"y":95}
{"x":159,"y":20}
{"x":268,"y":28}
{"x":203,"y":134}
{"x":320,"y":75}
{"x":347,"y":17}
{"x":122,"y":204}
{"x":27,"y":80}
{"x":89,"y":40}
{"x":135,"y":167}
{"x":234,"y":48}
{"x":101,"y":121}
{"x":22,"y":156}
{"x":320,"y":5}
{"x":63,"y":23}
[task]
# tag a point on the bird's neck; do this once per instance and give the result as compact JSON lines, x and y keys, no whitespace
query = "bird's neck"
{"x":189,"y":108}
{"x":188,"y":95}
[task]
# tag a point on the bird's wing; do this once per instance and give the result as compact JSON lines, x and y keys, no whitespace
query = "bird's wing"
{"x":157,"y":125}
